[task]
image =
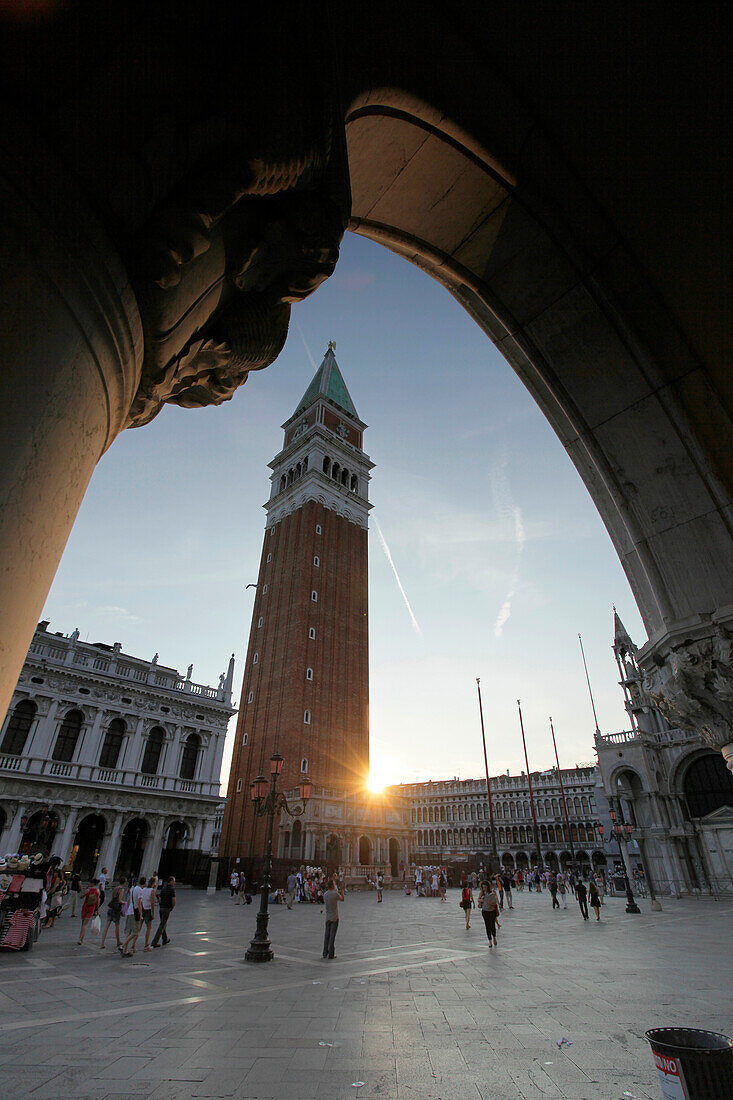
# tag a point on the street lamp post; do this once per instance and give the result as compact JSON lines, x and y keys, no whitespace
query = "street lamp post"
{"x":620,"y":830}
{"x":267,"y":804}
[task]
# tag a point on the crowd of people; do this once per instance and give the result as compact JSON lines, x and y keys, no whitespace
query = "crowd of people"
{"x":130,"y":906}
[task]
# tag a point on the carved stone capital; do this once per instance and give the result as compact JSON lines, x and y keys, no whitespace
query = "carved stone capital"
{"x":692,"y":685}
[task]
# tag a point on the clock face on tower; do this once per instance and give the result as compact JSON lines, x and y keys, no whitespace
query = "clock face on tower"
{"x":306,"y":678}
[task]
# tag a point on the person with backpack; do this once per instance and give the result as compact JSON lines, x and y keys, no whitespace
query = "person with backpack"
{"x":467,"y":903}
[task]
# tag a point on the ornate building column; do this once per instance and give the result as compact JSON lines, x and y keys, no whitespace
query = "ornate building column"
{"x":110,"y":846}
{"x":39,"y":744}
{"x":154,"y":847}
{"x":13,"y":831}
{"x":70,"y":345}
{"x":89,"y":752}
{"x":63,"y":840}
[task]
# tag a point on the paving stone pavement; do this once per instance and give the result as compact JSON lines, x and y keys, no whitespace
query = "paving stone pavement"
{"x":414,"y":1006}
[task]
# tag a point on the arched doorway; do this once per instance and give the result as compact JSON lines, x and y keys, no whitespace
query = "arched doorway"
{"x":707,"y":785}
{"x":132,"y":848}
{"x":551,"y":861}
{"x":583,"y":861}
{"x":87,"y":843}
{"x":333,"y":852}
{"x":522,"y":861}
{"x":565,"y":860}
{"x":176,"y":835}
{"x":394,"y":856}
{"x":508,"y":861}
{"x":39,"y":832}
{"x":365,"y":851}
{"x":599,"y":859}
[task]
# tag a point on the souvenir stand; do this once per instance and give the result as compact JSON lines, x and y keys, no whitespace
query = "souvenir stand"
{"x":21,"y":896}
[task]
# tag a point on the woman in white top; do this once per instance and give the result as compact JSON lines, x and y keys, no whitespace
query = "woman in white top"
{"x":148,"y":905}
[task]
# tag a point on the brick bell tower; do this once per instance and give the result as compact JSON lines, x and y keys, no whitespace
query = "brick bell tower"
{"x":306,"y":678}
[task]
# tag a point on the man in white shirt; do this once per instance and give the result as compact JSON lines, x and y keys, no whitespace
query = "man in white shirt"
{"x":103,"y":877}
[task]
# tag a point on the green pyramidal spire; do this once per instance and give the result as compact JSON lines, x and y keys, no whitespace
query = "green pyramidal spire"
{"x":328,"y":382}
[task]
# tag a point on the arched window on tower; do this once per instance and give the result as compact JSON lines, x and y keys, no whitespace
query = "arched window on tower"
{"x":190,"y":756}
{"x":335,"y":471}
{"x":309,"y":674}
{"x":307,"y":717}
{"x":112,"y":744}
{"x":354,"y":483}
{"x":305,"y":464}
{"x":18,"y":727}
{"x":344,"y":477}
{"x":283,"y":482}
{"x":327,"y":465}
{"x":304,"y":766}
{"x":63,"y":750}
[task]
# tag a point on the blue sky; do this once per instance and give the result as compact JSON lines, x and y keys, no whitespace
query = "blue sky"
{"x":496,"y":542}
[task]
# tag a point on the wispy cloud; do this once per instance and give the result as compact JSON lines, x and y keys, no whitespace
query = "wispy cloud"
{"x":352,"y":281}
{"x":415,"y":624}
{"x":509,"y":513}
{"x":119,"y":613}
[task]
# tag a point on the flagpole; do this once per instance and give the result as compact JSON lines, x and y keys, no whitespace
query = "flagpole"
{"x":562,"y":792}
{"x":590,"y":690}
{"x":494,"y":853}
{"x":531,"y":795}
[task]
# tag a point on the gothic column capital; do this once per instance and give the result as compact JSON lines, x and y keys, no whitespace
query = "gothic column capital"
{"x":692,"y":685}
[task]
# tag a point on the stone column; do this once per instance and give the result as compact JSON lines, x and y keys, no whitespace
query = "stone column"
{"x":70,"y":346}
{"x":89,"y":752}
{"x":39,"y":745}
{"x":14,"y":831}
{"x":153,"y":848}
{"x":213,"y":874}
{"x":63,"y":840}
{"x":110,"y":846}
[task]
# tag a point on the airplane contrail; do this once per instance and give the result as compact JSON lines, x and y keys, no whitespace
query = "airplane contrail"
{"x":307,"y":349}
{"x":415,"y":624}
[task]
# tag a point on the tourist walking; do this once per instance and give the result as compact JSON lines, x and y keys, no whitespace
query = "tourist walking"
{"x":233,"y":883}
{"x":442,"y":886}
{"x":467,"y":903}
{"x":500,"y":887}
{"x":292,"y":884}
{"x":89,"y":907}
{"x":488,"y":903}
{"x":562,"y":889}
{"x":582,"y":895}
{"x":55,"y":884}
{"x":114,"y":912}
{"x":134,"y":919}
{"x":380,"y":885}
{"x":331,"y":899}
{"x":242,"y":889}
{"x":75,"y":891}
{"x":553,"y":891}
{"x":166,"y":905}
{"x":148,"y":906}
{"x":103,"y":875}
{"x":594,"y":899}
{"x":508,"y":884}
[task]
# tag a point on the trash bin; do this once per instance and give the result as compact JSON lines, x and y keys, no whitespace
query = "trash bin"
{"x":692,"y":1064}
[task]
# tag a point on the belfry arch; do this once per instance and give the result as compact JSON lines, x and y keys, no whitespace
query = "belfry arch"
{"x":500,"y":154}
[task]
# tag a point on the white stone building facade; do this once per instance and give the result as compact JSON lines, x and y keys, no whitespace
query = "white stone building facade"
{"x":110,"y":760}
{"x":671,"y":788}
{"x":451,"y":823}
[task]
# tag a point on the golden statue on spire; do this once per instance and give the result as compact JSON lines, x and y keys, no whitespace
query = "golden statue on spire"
{"x":331,"y":345}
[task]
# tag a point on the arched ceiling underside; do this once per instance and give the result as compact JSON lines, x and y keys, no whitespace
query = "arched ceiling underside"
{"x":559,"y":293}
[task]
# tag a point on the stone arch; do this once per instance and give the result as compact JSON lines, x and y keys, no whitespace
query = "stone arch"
{"x":133,"y":841}
{"x":706,"y":784}
{"x":39,"y":831}
{"x":18,"y":728}
{"x":90,"y":832}
{"x":365,"y":850}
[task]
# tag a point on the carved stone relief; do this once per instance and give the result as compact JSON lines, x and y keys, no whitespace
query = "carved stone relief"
{"x":692,"y":685}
